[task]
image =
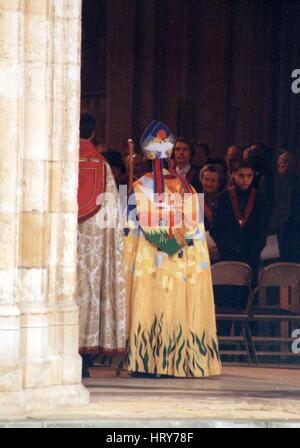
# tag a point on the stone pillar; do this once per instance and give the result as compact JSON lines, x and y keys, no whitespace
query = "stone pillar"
{"x":65,"y":110}
{"x":10,"y":119}
{"x":34,"y":214}
{"x":39,"y":116}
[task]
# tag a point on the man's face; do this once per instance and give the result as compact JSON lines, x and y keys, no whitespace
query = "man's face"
{"x":243,"y":178}
{"x":182,"y":153}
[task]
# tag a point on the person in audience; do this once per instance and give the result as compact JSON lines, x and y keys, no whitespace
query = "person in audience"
{"x":233,"y":157}
{"x":208,"y":182}
{"x":222,"y":170}
{"x":201,"y":154}
{"x":183,"y":155}
{"x":272,"y":185}
{"x":261,"y":158}
{"x":287,"y":164}
{"x":239,"y":225}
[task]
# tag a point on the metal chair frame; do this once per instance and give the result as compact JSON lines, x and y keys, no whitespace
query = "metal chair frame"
{"x":235,"y":273}
{"x":278,"y":274}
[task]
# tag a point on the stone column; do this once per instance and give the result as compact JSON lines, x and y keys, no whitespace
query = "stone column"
{"x":39,"y":116}
{"x":10,"y":117}
{"x":64,"y":144}
{"x":34,"y":206}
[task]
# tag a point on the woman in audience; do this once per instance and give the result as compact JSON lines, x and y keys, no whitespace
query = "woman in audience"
{"x":222,"y":170}
{"x":208,"y":182}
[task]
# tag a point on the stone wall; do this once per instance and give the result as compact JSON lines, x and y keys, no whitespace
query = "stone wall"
{"x":40,"y":43}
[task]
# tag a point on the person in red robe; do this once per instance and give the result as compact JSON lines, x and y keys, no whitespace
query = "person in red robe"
{"x":100,"y":266}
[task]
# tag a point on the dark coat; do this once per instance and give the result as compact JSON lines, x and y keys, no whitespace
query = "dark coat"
{"x":235,"y":242}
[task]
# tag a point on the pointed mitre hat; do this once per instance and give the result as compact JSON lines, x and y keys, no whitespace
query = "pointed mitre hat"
{"x":157,"y":144}
{"x":157,"y":141}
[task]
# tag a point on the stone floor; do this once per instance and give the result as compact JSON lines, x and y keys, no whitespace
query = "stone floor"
{"x":240,"y":397}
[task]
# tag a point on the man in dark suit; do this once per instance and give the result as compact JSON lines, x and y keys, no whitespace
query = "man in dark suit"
{"x":183,"y":154}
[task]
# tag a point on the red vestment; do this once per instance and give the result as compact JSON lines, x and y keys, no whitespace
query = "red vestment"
{"x":92,"y":180}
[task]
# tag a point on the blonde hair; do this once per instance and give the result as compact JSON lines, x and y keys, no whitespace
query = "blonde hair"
{"x":211,"y":168}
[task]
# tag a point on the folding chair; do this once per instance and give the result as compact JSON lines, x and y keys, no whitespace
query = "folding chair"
{"x":234,"y":273}
{"x":280,"y":275}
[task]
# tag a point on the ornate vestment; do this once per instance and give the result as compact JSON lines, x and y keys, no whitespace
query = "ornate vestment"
{"x":100,"y":271}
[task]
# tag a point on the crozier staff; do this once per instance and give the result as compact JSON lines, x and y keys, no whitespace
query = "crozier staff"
{"x":130,"y":163}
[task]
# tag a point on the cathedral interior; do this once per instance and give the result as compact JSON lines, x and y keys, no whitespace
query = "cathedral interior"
{"x":221,"y":72}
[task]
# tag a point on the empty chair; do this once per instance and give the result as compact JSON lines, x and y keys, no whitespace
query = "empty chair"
{"x":286,"y":312}
{"x":233,"y":306}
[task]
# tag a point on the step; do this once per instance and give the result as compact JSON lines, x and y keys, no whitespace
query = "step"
{"x":106,"y":372}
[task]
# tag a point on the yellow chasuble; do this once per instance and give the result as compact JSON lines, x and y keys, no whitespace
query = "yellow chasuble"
{"x":172,"y":327}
